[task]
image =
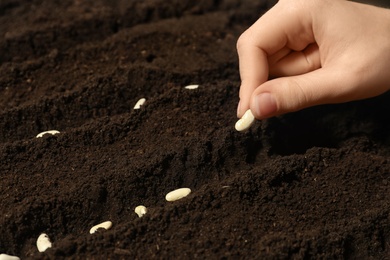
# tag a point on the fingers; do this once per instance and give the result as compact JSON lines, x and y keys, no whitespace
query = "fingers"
{"x":270,"y":36}
{"x":253,"y":71}
{"x":295,"y":63}
{"x":282,"y":43}
{"x":288,"y":94}
{"x":276,"y":57}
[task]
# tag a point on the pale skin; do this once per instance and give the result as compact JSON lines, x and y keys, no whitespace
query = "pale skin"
{"x":303,"y":53}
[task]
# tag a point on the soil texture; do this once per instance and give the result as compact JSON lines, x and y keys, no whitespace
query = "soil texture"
{"x":310,"y":184}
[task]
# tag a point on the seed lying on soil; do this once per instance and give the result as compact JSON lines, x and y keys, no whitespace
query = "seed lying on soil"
{"x":191,"y":87}
{"x":52,"y":132}
{"x":140,"y":210}
{"x":139,"y":103}
{"x":245,"y":122}
{"x":8,"y":257}
{"x":105,"y":225}
{"x":177,"y":194}
{"x":43,"y":242}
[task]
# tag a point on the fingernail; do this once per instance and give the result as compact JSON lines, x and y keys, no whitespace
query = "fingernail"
{"x":239,"y":109}
{"x":265,"y":105}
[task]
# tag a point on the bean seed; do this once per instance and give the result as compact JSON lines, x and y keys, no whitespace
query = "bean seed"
{"x":177,"y":194}
{"x":191,"y":87}
{"x":105,"y":225}
{"x":52,"y":132}
{"x":8,"y":257}
{"x":140,"y":210}
{"x":43,"y":242}
{"x":139,"y":103}
{"x":245,"y":122}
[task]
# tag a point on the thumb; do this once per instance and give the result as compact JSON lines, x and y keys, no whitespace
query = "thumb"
{"x":289,"y":94}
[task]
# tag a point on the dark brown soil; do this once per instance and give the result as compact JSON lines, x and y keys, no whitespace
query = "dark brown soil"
{"x":312,"y":184}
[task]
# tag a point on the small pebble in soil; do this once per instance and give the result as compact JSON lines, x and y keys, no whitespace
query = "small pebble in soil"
{"x":177,"y":194}
{"x":52,"y":132}
{"x":139,"y":103}
{"x":43,"y":242}
{"x":245,"y":122}
{"x":105,"y":225}
{"x":8,"y":257}
{"x":140,"y":210}
{"x":191,"y":87}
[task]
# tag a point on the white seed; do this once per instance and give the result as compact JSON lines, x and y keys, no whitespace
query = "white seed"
{"x":245,"y":122}
{"x":8,"y":257}
{"x":191,"y":87}
{"x":140,"y":210}
{"x":177,"y":194}
{"x":139,"y":103}
{"x":52,"y":132}
{"x":43,"y":242}
{"x":105,"y":225}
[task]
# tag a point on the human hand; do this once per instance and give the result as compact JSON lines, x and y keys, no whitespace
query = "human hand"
{"x":317,"y":52}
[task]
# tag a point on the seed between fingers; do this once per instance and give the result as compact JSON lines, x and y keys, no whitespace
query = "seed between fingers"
{"x":245,"y":122}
